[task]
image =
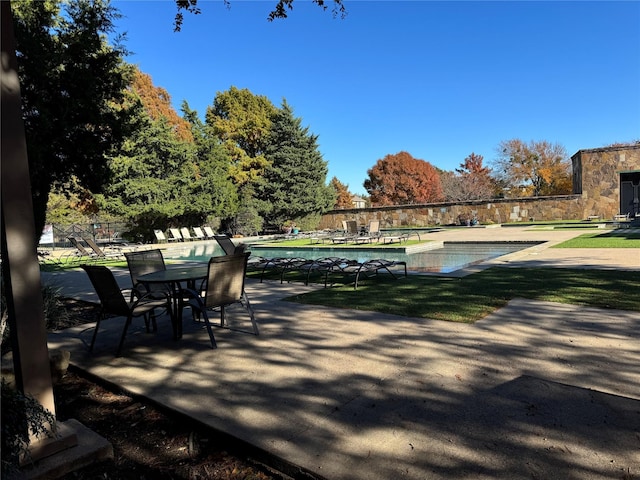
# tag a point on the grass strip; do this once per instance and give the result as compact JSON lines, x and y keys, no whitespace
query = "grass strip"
{"x":62,"y":265}
{"x":475,"y":296}
{"x":610,"y":239}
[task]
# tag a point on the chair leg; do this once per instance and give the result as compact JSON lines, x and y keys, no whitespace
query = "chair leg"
{"x":124,"y":334}
{"x":154,"y":324}
{"x":95,"y":331}
{"x":223,"y":316}
{"x":209,"y":329}
{"x":244,"y":300}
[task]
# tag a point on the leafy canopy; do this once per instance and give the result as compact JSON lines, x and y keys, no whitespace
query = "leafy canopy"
{"x":242,"y":121}
{"x":534,"y":168}
{"x":470,"y":181}
{"x":401,"y":179}
{"x":343,"y":196}
{"x":73,"y":86}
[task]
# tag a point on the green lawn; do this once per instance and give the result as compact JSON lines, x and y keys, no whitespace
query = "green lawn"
{"x":608,"y":239}
{"x":61,"y":264}
{"x":473,"y":297}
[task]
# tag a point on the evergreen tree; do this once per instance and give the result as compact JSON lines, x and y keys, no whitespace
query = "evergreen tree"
{"x":73,"y":87}
{"x":213,"y":188}
{"x":148,"y":178}
{"x":294,"y":185}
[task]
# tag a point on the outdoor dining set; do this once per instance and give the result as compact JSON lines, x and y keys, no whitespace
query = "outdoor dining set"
{"x":157,"y":289}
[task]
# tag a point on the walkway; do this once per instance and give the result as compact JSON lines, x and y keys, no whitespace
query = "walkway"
{"x":536,"y":390}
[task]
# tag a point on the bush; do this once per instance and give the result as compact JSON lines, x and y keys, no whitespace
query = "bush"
{"x":55,"y":314}
{"x":21,"y":414}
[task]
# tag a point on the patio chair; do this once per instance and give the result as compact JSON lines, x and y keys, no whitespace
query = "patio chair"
{"x":113,"y":303}
{"x":224,"y":287}
{"x":176,"y":236}
{"x":186,"y":235}
{"x":143,"y":262}
{"x":199,"y":233}
{"x":209,"y":232}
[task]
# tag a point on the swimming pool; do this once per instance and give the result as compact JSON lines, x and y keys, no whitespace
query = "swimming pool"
{"x":446,"y":258}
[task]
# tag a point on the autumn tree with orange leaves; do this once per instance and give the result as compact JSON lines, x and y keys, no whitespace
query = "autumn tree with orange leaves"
{"x":401,"y":179}
{"x":533,"y":169}
{"x":157,"y":103}
{"x":343,"y":196}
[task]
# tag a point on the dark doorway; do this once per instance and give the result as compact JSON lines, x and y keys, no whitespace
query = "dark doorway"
{"x":630,"y":193}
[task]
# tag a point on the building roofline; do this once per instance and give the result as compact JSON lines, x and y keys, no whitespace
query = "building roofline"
{"x":631,"y":146}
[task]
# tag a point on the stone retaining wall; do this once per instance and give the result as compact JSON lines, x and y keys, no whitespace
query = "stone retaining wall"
{"x":565,"y":207}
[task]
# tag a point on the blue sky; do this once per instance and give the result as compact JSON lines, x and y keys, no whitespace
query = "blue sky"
{"x":439,"y":80}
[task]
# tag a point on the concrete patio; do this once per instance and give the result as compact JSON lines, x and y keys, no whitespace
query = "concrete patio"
{"x":536,"y":390}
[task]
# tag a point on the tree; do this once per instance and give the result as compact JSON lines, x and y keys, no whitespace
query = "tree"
{"x":401,"y":179}
{"x":279,"y":11}
{"x":211,"y":169}
{"x":157,"y":104}
{"x":343,"y":196}
{"x":471,"y":181}
{"x":242,"y":121}
{"x":533,"y":169}
{"x":70,"y":203}
{"x":160,"y":180}
{"x":294,"y":184}
{"x":147,"y":178}
{"x":73,"y":93}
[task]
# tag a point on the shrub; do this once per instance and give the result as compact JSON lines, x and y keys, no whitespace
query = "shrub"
{"x":21,"y":414}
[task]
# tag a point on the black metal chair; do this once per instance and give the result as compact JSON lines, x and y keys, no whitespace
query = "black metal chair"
{"x":114,"y":303}
{"x":224,"y":287}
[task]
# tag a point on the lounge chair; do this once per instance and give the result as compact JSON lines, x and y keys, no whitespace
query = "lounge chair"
{"x":197,"y":231}
{"x":209,"y":232}
{"x":101,"y":254}
{"x":224,"y":287}
{"x":160,"y":236}
{"x":401,"y":238}
{"x":369,"y":268}
{"x":113,"y":302}
{"x":350,"y":232}
{"x":176,"y":236}
{"x":186,"y":235}
{"x":80,"y":254}
{"x":228,"y":246}
{"x":373,"y":230}
{"x":320,"y":236}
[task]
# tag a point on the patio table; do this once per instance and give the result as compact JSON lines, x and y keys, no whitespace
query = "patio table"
{"x":175,"y":277}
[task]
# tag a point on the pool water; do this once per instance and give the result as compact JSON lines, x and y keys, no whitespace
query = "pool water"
{"x":450,"y":257}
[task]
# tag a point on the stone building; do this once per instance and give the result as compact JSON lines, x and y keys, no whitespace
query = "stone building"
{"x":608,"y":180}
